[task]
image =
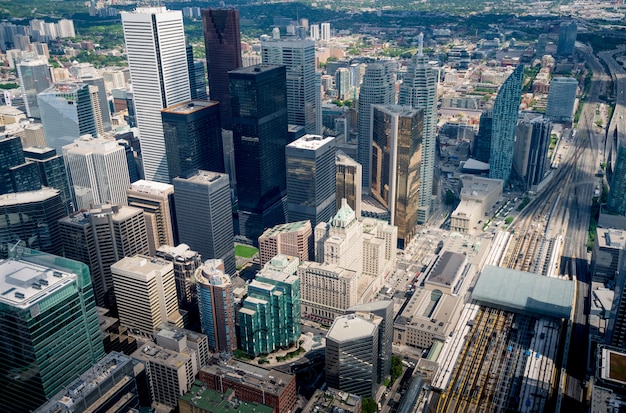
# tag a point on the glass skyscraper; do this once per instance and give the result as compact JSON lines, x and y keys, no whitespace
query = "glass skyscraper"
{"x":47,"y":314}
{"x":51,"y":171}
{"x":505,"y":114}
{"x":561,"y":99}
{"x":35,"y":77}
{"x":616,"y":202}
{"x":16,"y":173}
{"x":567,"y":38}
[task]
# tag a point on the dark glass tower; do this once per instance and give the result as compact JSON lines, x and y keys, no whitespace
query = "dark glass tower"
{"x":222,"y":40}
{"x":52,"y":172}
{"x":259,"y":108}
{"x":16,"y":174}
{"x":482,"y":142}
{"x":193,"y":137}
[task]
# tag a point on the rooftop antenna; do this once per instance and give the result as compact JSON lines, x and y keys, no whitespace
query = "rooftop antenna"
{"x":420,"y":47}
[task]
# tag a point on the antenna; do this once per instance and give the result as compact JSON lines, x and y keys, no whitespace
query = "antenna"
{"x":420,"y":47}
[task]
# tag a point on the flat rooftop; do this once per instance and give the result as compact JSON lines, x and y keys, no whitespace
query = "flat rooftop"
{"x":331,"y":401}
{"x":310,"y":142}
{"x":151,"y":187}
{"x":190,"y":106}
{"x":271,"y":381}
{"x":28,"y":197}
{"x":159,"y":355}
{"x":447,"y":268}
{"x":212,"y":401}
{"x":141,"y":267}
{"x":350,"y":327}
{"x":521,"y":291}
{"x":285,"y":228}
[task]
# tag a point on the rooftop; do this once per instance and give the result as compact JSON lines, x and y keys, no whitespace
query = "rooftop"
{"x":352,"y":326}
{"x":271,"y":381}
{"x":404,"y":111}
{"x":212,"y":401}
{"x":331,"y":401}
{"x":447,"y":268}
{"x":141,"y":267}
{"x":310,"y":142}
{"x":284,"y":228}
{"x":611,"y":238}
{"x":179,"y":252}
{"x":27,"y":197}
{"x":526,"y":292}
{"x":150,"y":352}
{"x":151,"y":187}
{"x":204,"y":177}
{"x":189,"y":106}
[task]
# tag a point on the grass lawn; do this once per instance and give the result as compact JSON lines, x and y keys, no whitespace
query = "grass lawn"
{"x":245,"y":251}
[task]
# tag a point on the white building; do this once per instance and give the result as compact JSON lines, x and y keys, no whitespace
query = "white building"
{"x":65,"y":28}
{"x":155,"y":45}
{"x":315,"y":32}
{"x":325,"y":32}
{"x":97,"y":171}
{"x":478,"y":196}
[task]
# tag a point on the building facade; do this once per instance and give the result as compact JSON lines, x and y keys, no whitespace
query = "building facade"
{"x":35,"y":77}
{"x":349,"y":175}
{"x":616,"y":202}
{"x":294,"y":238}
{"x":51,"y":172}
{"x":561,"y":99}
{"x":532,"y":140}
{"x":567,"y":38}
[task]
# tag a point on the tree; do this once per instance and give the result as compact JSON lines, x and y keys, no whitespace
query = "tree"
{"x":369,"y":405}
{"x":396,"y":367}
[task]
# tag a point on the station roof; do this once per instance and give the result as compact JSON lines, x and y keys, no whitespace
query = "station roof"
{"x":525,"y":292}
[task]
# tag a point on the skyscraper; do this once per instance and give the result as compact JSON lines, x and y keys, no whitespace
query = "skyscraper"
{"x":532,"y":140}
{"x":67,"y":112}
{"x":46,"y":314}
{"x":193,"y":137}
{"x":299,"y":57}
{"x":217,"y":306}
{"x":145,"y":293}
{"x":378,"y":87}
{"x":35,"y":77}
{"x":396,"y":163}
{"x":157,"y":201}
{"x":419,"y":90}
{"x":16,"y":173}
{"x":616,"y":202}
{"x":311,"y":179}
{"x":97,"y":171}
{"x":342,"y":82}
{"x":100,"y":237}
{"x":204,"y":215}
{"x":51,"y":171}
{"x":197,"y":76}
{"x":561,"y":99}
{"x":567,"y":38}
{"x":222,"y":41}
{"x":482,"y":142}
{"x":505,"y":113}
{"x":294,"y":238}
{"x":155,"y":45}
{"x":259,"y":101}
{"x":348,"y":177}
{"x":325,"y":32}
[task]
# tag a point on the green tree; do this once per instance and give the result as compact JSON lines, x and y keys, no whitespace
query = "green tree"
{"x":369,"y":405}
{"x":396,"y":367}
{"x":450,"y":197}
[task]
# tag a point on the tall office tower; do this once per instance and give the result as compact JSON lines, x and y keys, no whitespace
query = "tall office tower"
{"x":217,"y":306}
{"x":505,"y":113}
{"x":294,"y":239}
{"x":65,"y":28}
{"x":32,"y":217}
{"x":204,"y":215}
{"x":35,"y":77}
{"x":42,"y":293}
{"x":270,"y":316}
{"x":193,"y":137}
{"x":155,"y":46}
{"x":325,"y":32}
{"x":532,"y":139}
{"x":51,"y":172}
{"x":340,"y":241}
{"x":561,"y":99}
{"x":319,"y":128}
{"x":419,"y":90}
{"x":315,"y":32}
{"x":186,"y":262}
{"x":352,"y":354}
{"x":222,"y":41}
{"x":378,"y":87}
{"x":396,"y":164}
{"x":99,"y":94}
{"x":383,"y":309}
{"x":97,"y":171}
{"x":157,"y":201}
{"x":259,"y":100}
{"x":100,"y":237}
{"x":16,"y":173}
{"x":348,"y":182}
{"x":67,"y":112}
{"x":299,"y":58}
{"x":482,"y":142}
{"x":616,"y":202}
{"x":311,"y":180}
{"x":567,"y":38}
{"x":33,"y":135}
{"x":145,"y":292}
{"x":342,"y":82}
{"x":197,"y":78}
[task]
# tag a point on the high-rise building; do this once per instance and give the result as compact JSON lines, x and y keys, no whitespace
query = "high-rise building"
{"x":352,"y":354}
{"x":222,"y":41}
{"x":145,"y":292}
{"x":561,"y":99}
{"x":217,"y":306}
{"x":505,"y":113}
{"x":51,"y":172}
{"x":299,"y":58}
{"x":270,"y":316}
{"x":325,"y":32}
{"x":97,"y":171}
{"x":31,"y":217}
{"x":348,"y":176}
{"x":100,"y":237}
{"x":35,"y":77}
{"x":616,"y":202}
{"x":67,"y":112}
{"x":532,"y":140}
{"x":197,"y":76}
{"x":482,"y":142}
{"x":419,"y":90}
{"x":204,"y":215}
{"x":567,"y":38}
{"x":193,"y":137}
{"x":396,"y":164}
{"x":294,"y":239}
{"x":311,"y":179}
{"x":155,"y":46}
{"x":378,"y":87}
{"x":342,"y":82}
{"x":260,"y":134}
{"x":314,"y":31}
{"x":157,"y":201}
{"x":47,"y":313}
{"x":16,"y":173}
{"x":103,"y":119}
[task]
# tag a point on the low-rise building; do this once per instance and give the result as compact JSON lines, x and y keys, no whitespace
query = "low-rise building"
{"x":331,"y":401}
{"x":478,"y":196}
